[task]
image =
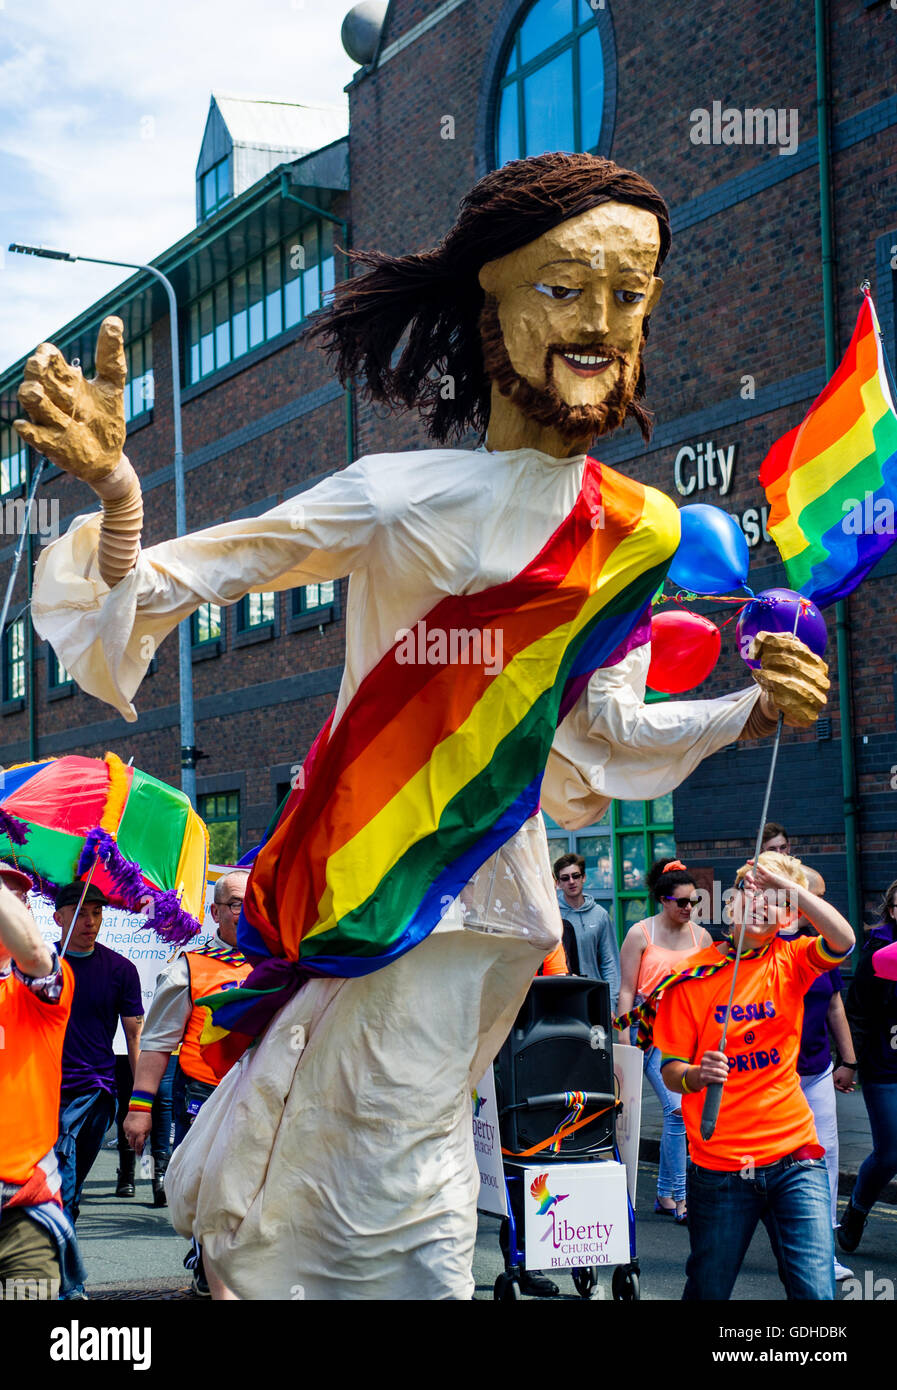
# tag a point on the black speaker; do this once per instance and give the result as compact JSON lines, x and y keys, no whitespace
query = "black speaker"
{"x":561,"y":1041}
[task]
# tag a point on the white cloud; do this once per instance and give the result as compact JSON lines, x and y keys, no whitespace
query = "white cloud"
{"x":102,"y":110}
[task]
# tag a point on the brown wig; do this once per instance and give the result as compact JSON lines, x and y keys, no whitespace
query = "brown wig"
{"x":435,"y":296}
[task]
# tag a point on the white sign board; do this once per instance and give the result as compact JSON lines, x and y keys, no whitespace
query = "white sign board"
{"x":128,"y":934}
{"x":576,"y":1215}
{"x":628,"y":1070}
{"x":487,"y":1147}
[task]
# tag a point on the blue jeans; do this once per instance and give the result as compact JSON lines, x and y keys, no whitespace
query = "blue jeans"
{"x":723,"y":1211}
{"x":878,"y":1169}
{"x":671,"y":1174}
{"x":160,"y":1137}
{"x":83,"y":1120}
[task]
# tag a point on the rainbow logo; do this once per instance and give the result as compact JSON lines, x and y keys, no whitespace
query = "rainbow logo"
{"x":478,"y":1102}
{"x":540,"y":1194}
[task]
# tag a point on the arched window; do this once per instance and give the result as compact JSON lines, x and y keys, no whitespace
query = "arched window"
{"x":552,"y":93}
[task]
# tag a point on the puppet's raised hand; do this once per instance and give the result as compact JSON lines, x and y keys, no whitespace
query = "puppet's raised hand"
{"x":78,"y":424}
{"x":794,"y":678}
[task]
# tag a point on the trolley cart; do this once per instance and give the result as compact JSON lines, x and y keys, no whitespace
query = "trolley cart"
{"x":568,"y":1202}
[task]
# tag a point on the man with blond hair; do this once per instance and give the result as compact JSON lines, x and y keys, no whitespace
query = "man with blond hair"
{"x":763,"y":1158}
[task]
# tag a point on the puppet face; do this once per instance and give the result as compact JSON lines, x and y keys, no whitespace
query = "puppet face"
{"x":564,"y":317}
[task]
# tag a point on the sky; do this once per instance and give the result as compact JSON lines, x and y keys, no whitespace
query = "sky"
{"x":102,"y":112}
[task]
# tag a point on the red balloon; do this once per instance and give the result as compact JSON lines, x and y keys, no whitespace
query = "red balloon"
{"x":684,"y":650}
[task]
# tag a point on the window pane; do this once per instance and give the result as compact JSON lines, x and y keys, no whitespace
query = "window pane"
{"x":259,"y":609}
{"x":591,"y":89}
{"x":556,"y":848}
{"x":631,"y":849}
{"x":634,"y":910}
{"x":548,"y":106}
{"x":596,"y":851}
{"x":664,"y":847}
{"x":662,"y":809}
{"x":546,"y":23}
{"x":222,"y":326}
{"x":256,"y":305}
{"x":223,"y":842}
{"x":508,"y":135}
{"x":240,"y":316}
{"x":328,"y":277}
{"x":292,"y":271}
{"x":194,"y":342}
{"x":273,"y":306}
{"x":206,"y":336}
{"x":208,"y":191}
{"x":631,"y":812}
{"x":222,"y":190}
{"x":310,"y":284}
{"x":326,"y":256}
{"x":207,"y":623}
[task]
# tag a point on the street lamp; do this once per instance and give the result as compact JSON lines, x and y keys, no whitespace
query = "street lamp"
{"x":185,"y":660}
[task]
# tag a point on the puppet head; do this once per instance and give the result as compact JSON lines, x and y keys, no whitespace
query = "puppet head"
{"x":552,"y":259}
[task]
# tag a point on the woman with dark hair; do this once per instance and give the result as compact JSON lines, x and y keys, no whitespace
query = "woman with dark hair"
{"x":653,"y":949}
{"x":872,"y":1015}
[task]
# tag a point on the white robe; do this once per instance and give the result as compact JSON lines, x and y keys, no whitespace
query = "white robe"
{"x":336,"y":1159}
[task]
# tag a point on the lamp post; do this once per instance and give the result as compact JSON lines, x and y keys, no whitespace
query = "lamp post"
{"x":185,"y":661}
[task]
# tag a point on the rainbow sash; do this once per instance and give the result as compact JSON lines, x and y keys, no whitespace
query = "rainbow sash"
{"x":438,"y":761}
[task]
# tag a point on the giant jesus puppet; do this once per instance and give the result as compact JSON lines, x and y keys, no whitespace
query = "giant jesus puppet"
{"x":404,"y":900}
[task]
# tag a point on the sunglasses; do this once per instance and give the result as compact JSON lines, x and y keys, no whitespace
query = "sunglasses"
{"x":683,"y":903}
{"x":569,"y":878}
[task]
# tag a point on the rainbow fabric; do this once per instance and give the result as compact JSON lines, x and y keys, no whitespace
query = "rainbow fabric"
{"x":832,"y":482}
{"x":576,"y":1100}
{"x":437,"y":763}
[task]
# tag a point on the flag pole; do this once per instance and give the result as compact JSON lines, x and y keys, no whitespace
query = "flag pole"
{"x":714,"y":1090}
{"x":78,"y":908}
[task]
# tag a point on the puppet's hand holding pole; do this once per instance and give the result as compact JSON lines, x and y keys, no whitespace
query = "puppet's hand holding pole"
{"x":794,"y":680}
{"x":80,"y":426}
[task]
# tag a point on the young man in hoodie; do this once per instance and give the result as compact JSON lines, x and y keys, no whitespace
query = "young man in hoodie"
{"x":589,"y":937}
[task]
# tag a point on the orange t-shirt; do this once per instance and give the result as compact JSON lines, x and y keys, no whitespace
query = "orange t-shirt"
{"x":764,"y":1114}
{"x":555,"y":963}
{"x":31,"y":1037}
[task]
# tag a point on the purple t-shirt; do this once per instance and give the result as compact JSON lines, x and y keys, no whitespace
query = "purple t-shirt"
{"x":815,"y":1052}
{"x":107,"y":988}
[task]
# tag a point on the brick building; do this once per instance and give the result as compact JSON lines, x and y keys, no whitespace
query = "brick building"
{"x":445,"y":92}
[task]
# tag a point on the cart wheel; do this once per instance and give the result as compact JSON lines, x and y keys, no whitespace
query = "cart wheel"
{"x":506,"y":1289}
{"x":625,"y":1286}
{"x":586,"y":1281}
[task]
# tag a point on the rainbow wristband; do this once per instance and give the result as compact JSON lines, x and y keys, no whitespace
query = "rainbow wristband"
{"x":141,"y":1100}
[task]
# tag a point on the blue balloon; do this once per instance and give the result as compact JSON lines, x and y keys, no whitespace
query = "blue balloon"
{"x":713,"y":553}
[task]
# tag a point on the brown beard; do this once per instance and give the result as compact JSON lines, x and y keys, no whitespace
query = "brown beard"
{"x":544,"y":404}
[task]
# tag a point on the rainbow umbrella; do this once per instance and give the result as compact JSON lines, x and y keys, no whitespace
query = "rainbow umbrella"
{"x":138,"y":839}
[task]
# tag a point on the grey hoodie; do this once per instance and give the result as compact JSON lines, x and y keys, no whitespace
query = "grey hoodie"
{"x":596,"y":942}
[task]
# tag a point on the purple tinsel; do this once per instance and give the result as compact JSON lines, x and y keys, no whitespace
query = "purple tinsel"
{"x":165,"y":915}
{"x":15,"y":830}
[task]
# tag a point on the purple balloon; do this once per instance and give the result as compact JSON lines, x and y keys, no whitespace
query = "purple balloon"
{"x":773,"y":611}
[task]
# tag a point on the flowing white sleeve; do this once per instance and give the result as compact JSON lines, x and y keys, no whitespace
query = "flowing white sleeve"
{"x":612,"y":746}
{"x":107,"y":637}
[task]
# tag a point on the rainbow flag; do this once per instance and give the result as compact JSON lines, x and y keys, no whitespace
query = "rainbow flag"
{"x":438,"y":760}
{"x":832,"y":482}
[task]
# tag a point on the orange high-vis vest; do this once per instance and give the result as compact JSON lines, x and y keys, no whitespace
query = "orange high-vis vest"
{"x":208,"y":974}
{"x":31,"y":1037}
